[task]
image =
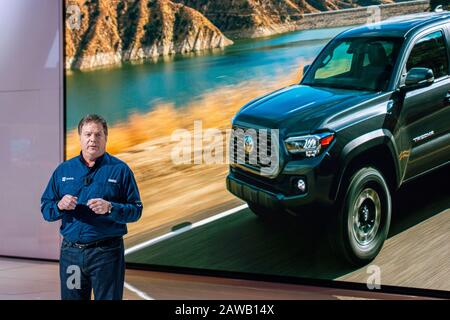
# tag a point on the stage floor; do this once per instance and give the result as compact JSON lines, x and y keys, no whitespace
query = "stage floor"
{"x":30,"y":280}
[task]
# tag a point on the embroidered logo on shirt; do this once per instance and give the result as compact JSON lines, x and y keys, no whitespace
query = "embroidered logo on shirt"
{"x":112,"y":180}
{"x":64,"y":179}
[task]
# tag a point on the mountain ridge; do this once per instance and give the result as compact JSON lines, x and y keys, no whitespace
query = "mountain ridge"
{"x":111,"y":32}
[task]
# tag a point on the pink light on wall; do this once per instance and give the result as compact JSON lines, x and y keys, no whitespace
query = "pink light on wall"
{"x":31,"y":123}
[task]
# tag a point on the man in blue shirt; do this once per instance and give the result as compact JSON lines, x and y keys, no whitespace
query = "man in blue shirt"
{"x":95,"y":195}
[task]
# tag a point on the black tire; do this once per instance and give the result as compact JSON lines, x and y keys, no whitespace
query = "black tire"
{"x":363,"y":217}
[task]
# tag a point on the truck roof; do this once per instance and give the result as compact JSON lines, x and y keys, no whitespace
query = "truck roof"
{"x":397,"y":26}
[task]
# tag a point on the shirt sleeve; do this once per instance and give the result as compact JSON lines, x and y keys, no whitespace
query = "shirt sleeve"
{"x":49,"y":201}
{"x":131,"y":209}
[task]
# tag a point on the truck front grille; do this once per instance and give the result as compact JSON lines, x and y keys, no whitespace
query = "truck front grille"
{"x":254,"y":148}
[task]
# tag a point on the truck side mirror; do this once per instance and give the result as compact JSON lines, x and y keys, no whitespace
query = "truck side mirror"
{"x":418,"y":78}
{"x":306,"y":68}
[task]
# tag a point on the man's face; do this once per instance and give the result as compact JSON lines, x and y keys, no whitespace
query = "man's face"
{"x":93,"y":140}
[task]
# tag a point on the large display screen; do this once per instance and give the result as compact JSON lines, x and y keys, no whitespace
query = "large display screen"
{"x":172,"y":79}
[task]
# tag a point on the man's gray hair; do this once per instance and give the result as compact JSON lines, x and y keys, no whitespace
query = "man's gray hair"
{"x":93,"y":118}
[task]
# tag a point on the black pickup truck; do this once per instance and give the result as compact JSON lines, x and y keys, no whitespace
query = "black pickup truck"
{"x":371,"y":113}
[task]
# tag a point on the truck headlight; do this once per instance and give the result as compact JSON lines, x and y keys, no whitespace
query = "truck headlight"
{"x":309,"y":145}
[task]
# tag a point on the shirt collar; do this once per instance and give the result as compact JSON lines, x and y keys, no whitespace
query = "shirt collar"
{"x":98,"y":161}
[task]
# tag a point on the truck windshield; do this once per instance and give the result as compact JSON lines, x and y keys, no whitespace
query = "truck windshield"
{"x":355,"y":64}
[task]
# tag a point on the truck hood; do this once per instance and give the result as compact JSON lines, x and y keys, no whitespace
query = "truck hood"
{"x":299,"y":108}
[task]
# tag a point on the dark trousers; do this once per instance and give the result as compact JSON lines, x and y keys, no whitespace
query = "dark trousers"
{"x":100,"y":268}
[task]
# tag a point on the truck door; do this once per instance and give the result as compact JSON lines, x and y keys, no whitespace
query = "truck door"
{"x":425,"y":113}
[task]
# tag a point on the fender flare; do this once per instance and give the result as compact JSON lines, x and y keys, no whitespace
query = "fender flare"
{"x":356,"y":147}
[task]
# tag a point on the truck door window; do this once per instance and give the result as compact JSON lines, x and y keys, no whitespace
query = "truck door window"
{"x":430,"y":52}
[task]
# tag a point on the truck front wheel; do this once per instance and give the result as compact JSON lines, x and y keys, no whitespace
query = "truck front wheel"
{"x":363,"y":218}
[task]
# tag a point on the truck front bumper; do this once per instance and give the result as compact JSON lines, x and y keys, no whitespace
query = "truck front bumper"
{"x":281,"y":192}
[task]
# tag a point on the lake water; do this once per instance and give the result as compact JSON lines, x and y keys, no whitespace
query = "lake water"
{"x":115,"y":93}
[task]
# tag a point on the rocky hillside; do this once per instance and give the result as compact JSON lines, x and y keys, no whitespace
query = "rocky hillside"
{"x":113,"y":31}
{"x":264,"y":17}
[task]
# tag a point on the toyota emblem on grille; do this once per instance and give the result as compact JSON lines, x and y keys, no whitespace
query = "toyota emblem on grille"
{"x":248,"y":144}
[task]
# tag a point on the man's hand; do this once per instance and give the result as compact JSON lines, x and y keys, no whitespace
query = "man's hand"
{"x":99,"y":206}
{"x":68,"y":202}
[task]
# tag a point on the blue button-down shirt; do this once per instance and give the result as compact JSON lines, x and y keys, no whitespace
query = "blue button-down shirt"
{"x":110,"y":179}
